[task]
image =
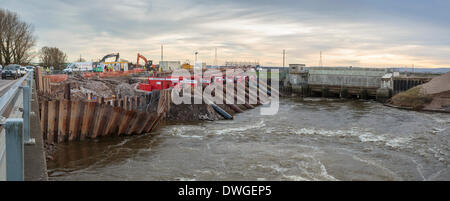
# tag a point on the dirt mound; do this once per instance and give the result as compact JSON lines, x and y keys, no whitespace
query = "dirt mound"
{"x":126,"y":89}
{"x":104,"y":87}
{"x":437,"y":85}
{"x":434,"y":95}
{"x":413,"y":98}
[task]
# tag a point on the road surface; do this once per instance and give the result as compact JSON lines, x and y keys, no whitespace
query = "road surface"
{"x":4,"y":85}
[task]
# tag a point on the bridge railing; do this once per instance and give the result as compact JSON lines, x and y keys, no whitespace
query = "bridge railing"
{"x":16,"y":129}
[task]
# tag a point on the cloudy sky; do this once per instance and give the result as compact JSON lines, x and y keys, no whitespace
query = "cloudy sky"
{"x":376,"y":33}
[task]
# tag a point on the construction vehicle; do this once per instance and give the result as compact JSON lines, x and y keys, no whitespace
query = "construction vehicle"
{"x":100,"y":67}
{"x":187,"y":66}
{"x":148,"y":63}
{"x":79,"y":67}
{"x":118,"y":66}
{"x":109,"y":56}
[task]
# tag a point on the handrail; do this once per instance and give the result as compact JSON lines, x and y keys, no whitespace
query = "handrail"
{"x":17,"y":131}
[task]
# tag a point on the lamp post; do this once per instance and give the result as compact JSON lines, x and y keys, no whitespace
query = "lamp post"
{"x":196,"y":53}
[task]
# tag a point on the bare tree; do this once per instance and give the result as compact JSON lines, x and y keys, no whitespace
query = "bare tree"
{"x":16,"y":39}
{"x":52,"y":56}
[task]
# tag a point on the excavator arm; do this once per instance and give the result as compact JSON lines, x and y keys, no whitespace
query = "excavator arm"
{"x":148,"y":64}
{"x":109,"y":56}
{"x":139,"y":56}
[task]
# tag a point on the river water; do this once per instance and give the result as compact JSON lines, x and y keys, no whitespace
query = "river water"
{"x":309,"y":139}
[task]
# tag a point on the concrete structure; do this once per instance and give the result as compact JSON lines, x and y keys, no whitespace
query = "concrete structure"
{"x":169,"y":65}
{"x":283,"y":72}
{"x":297,"y":77}
{"x":354,"y":80}
{"x":241,"y":64}
{"x":346,"y":76}
{"x":200,"y":65}
{"x":386,"y":88}
{"x":297,"y":67}
{"x":387,"y":81}
{"x":34,"y":159}
{"x":335,"y":81}
{"x":405,"y":81}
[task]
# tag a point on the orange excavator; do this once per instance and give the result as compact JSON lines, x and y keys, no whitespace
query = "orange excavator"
{"x":148,"y":63}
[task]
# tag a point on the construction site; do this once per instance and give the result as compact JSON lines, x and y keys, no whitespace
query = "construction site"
{"x":115,"y":100}
{"x":224,"y":91}
{"x":110,"y":99}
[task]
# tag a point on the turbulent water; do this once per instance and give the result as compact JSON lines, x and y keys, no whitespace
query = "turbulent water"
{"x":310,"y":139}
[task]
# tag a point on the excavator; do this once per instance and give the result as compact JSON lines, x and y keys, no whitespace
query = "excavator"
{"x":148,"y":63}
{"x":111,"y":55}
{"x":101,"y":64}
{"x":186,"y":65}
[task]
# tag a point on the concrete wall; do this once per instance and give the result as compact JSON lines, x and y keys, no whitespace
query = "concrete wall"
{"x":298,"y":75}
{"x":346,"y":76}
{"x":283,"y":72}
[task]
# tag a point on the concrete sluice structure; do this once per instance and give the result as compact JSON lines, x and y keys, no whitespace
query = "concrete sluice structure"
{"x":403,"y":83}
{"x":349,"y":82}
{"x":336,"y":81}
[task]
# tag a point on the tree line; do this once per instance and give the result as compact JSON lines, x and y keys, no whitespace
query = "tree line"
{"x":17,"y":41}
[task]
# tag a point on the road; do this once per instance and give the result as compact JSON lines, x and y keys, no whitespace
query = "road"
{"x":4,"y":85}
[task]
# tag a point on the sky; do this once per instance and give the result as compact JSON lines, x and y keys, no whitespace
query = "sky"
{"x":375,"y":33}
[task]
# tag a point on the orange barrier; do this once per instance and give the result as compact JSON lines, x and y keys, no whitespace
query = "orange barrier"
{"x":56,"y":78}
{"x":88,"y":75}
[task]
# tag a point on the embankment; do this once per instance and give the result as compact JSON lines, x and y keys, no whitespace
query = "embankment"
{"x":432,"y":96}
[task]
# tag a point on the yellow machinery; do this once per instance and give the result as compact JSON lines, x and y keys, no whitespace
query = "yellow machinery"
{"x":118,"y":66}
{"x":187,"y":66}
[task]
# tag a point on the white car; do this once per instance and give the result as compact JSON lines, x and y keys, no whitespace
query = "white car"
{"x":23,"y":71}
{"x":29,"y":68}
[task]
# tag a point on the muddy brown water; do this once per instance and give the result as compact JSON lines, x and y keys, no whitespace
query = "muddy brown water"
{"x":309,"y":139}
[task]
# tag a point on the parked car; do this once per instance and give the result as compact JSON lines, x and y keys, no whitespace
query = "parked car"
{"x":11,"y":70}
{"x":1,"y":68}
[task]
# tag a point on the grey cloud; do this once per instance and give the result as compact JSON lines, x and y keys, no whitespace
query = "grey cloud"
{"x":414,"y":30}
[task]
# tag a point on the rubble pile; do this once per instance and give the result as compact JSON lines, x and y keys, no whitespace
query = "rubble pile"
{"x":80,"y":87}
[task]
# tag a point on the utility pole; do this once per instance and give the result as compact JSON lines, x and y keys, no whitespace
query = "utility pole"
{"x":162,"y":53}
{"x":320,"y":62}
{"x":215,"y":57}
{"x":196,"y":53}
{"x":284,"y":58}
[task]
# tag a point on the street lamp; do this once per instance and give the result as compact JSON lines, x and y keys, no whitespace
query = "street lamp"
{"x":196,"y":53}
